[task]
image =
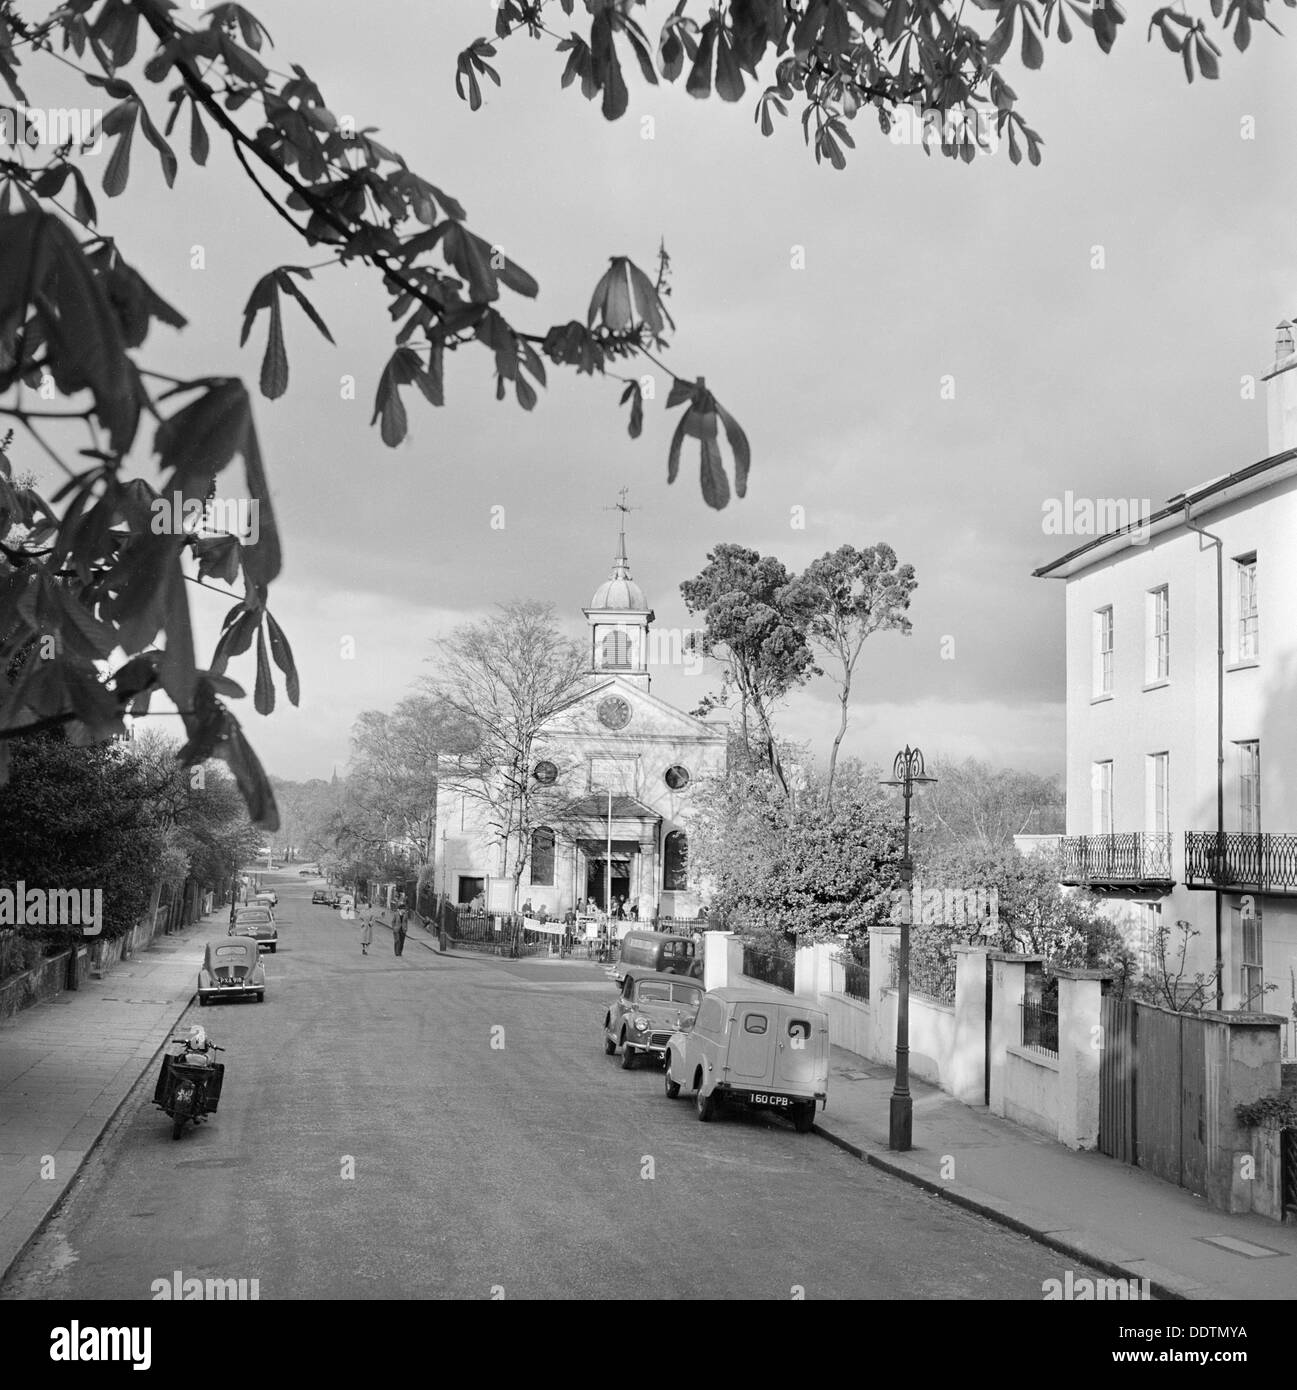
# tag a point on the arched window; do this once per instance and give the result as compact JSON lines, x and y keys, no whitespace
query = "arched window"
{"x":675,"y":862}
{"x":616,"y":650}
{"x":542,"y":856}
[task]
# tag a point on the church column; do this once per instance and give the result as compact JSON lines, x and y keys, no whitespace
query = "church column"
{"x":648,"y":893}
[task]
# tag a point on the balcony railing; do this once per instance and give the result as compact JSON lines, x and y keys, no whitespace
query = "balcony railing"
{"x":1236,"y":859}
{"x":1136,"y":857}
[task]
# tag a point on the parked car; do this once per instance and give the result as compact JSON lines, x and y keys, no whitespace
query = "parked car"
{"x":321,"y":895}
{"x":655,"y":952}
{"x":258,"y":923}
{"x":646,"y":1013}
{"x":754,"y":1047}
{"x":232,"y":969}
{"x":268,"y":896}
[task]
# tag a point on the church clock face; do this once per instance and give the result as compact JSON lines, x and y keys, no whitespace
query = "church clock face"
{"x":614,"y":712}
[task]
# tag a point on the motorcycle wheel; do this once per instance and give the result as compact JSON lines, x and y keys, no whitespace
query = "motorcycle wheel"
{"x":177,"y":1126}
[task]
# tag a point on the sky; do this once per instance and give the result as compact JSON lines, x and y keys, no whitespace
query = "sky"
{"x":921,"y":352}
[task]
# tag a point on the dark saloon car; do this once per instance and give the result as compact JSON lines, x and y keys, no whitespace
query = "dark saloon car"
{"x":259,"y":924}
{"x":646,"y":1013}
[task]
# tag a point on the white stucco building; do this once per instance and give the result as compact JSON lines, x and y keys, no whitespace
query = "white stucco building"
{"x":1182,"y":716}
{"x":621,"y":768}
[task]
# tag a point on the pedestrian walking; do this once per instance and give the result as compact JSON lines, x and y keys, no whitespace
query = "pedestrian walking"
{"x":366,"y":935}
{"x":398,"y":934}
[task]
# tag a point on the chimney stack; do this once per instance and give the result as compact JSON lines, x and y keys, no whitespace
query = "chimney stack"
{"x":1281,"y":393}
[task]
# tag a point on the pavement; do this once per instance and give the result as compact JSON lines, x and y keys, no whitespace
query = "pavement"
{"x":1110,"y":1215}
{"x":67,"y":1065}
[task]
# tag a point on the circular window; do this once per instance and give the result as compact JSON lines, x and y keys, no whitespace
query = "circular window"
{"x":546,"y":774}
{"x":614,"y":712}
{"x":677,"y":777}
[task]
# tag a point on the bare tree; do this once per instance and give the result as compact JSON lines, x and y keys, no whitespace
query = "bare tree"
{"x":507,"y":678}
{"x":975,"y":804}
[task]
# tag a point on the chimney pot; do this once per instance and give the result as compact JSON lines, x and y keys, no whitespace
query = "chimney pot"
{"x":1283,"y":343}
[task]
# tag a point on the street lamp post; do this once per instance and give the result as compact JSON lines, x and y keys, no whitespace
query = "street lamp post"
{"x":907,"y":771}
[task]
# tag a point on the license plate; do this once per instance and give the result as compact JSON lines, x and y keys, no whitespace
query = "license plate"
{"x":759,"y":1098}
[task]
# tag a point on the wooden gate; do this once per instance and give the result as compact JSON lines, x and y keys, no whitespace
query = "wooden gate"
{"x":1117,"y":1079}
{"x":1152,"y":1091}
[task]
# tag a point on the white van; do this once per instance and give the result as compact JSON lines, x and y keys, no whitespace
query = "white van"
{"x":755,"y":1047}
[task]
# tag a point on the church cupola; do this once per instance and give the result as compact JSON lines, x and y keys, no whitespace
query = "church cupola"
{"x":619,"y":618}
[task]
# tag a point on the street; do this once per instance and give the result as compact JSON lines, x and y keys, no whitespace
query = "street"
{"x":438,"y":1127}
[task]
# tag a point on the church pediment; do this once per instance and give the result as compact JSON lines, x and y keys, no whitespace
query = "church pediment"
{"x":613,"y":707}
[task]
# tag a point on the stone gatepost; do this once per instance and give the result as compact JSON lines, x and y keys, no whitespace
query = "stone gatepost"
{"x":883,"y":940}
{"x":1080,"y":1047}
{"x":805,"y":981}
{"x":1008,"y":986}
{"x":719,"y":968}
{"x":968,"y":1062}
{"x":1241,"y":1064}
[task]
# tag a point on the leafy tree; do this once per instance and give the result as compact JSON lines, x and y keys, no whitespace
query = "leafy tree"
{"x":850,"y":594}
{"x":755,"y":624}
{"x":94,"y":569}
{"x":305,"y":809}
{"x":81,"y":818}
{"x":1036,"y":915}
{"x":199,"y":812}
{"x":777,"y":865}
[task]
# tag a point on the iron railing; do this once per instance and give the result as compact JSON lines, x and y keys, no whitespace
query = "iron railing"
{"x":856,"y":980}
{"x":932,"y":972}
{"x":773,"y":969}
{"x":1288,"y":1175}
{"x":1237,"y":859}
{"x":1137,"y":856}
{"x":1040,"y":1026}
{"x":678,"y":926}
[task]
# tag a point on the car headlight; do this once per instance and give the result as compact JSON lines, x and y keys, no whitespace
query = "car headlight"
{"x":639,"y":1023}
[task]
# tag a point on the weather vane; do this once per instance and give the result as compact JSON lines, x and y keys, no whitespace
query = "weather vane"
{"x":623,"y":507}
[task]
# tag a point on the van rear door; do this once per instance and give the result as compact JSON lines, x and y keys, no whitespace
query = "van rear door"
{"x":751,"y":1043}
{"x":800,"y":1058}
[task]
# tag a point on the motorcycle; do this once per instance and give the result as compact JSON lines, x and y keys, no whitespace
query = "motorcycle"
{"x":189,"y":1086}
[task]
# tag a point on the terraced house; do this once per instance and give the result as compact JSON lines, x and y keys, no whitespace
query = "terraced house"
{"x":1182,"y":717}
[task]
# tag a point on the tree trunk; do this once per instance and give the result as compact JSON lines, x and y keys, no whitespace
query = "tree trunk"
{"x":837,"y":742}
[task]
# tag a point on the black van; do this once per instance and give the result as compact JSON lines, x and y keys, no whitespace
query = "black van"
{"x":648,"y":952}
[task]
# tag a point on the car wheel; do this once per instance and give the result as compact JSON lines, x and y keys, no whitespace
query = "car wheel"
{"x":706,"y":1106}
{"x":609,"y":1046}
{"x":261,"y":996}
{"x":804,"y":1119}
{"x":673,"y":1087}
{"x":202,"y":1001}
{"x":627,"y":1057}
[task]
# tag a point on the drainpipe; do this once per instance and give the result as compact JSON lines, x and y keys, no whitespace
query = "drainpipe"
{"x":1220,"y":736}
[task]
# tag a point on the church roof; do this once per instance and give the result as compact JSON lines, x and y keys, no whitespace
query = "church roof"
{"x":595,"y":808}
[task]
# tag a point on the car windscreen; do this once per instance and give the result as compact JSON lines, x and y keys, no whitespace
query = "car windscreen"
{"x":654,"y":990}
{"x":687,"y":994}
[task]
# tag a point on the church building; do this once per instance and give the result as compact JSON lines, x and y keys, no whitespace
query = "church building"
{"x":620,"y":769}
